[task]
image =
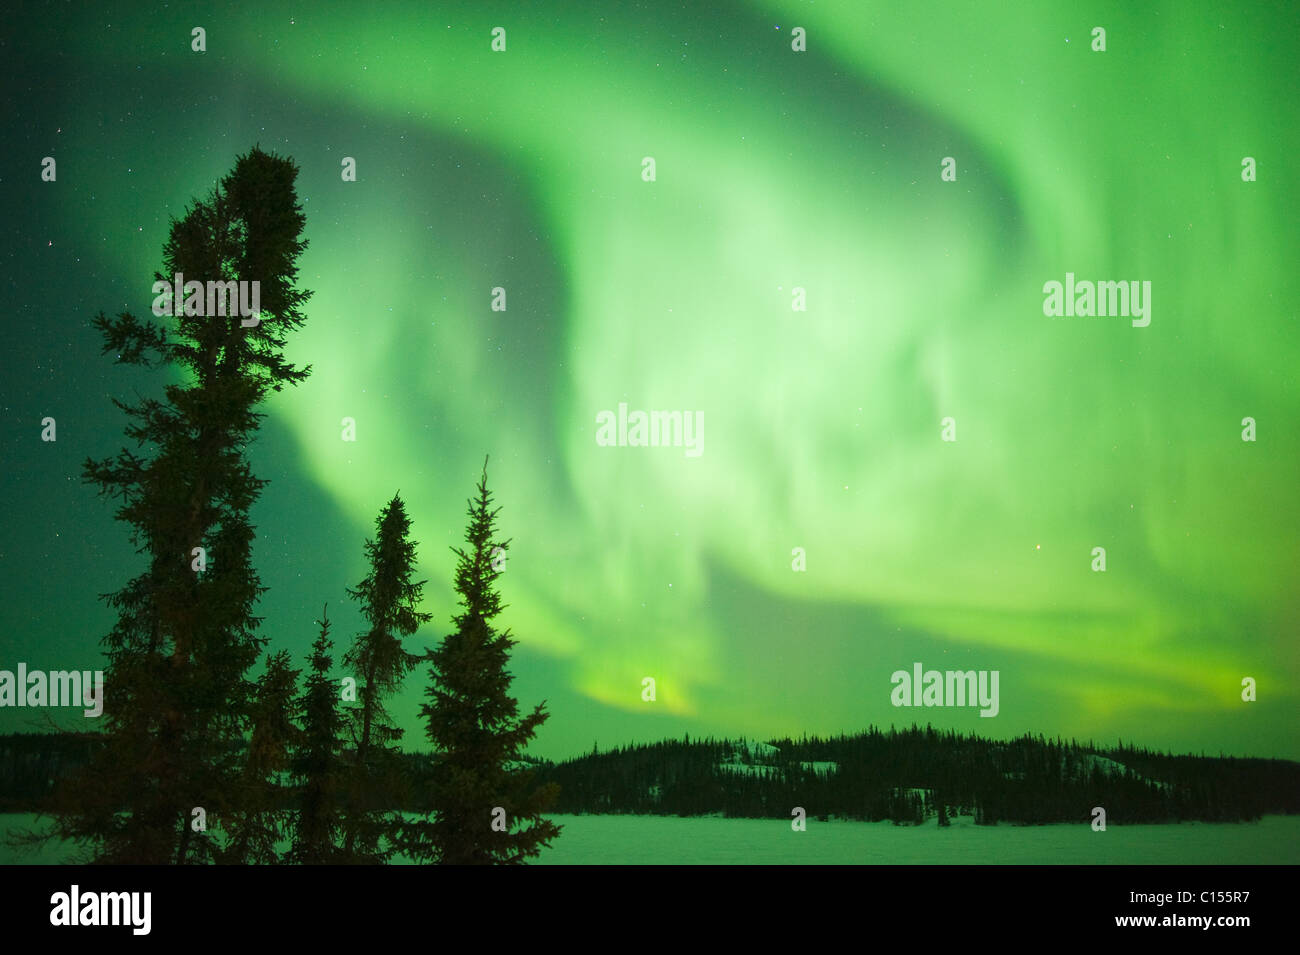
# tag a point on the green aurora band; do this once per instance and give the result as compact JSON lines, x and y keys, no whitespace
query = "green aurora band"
{"x":821,"y":430}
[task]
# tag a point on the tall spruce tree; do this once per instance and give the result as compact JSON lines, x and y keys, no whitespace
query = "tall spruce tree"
{"x":178,"y":700}
{"x":390,"y":602}
{"x":317,"y":763}
{"x":485,"y":808}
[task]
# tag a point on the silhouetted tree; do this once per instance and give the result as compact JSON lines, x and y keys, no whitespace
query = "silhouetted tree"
{"x":486,"y":808}
{"x":260,"y":819}
{"x":318,"y":767}
{"x":389,"y":601}
{"x":178,"y":698}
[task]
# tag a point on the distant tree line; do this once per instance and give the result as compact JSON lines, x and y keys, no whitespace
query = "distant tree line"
{"x":911,"y":774}
{"x":906,"y":776}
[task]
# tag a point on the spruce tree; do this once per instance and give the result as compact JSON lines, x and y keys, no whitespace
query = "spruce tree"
{"x":390,"y":603}
{"x":259,"y":818}
{"x":317,"y":763}
{"x":178,"y":700}
{"x":472,"y":721}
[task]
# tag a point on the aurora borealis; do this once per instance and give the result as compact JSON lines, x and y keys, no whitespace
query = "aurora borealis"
{"x":775,"y":171}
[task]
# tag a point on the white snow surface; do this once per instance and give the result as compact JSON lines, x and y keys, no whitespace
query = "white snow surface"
{"x":712,"y":840}
{"x":654,"y":840}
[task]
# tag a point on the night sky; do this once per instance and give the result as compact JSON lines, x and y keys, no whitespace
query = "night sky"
{"x":775,"y":170}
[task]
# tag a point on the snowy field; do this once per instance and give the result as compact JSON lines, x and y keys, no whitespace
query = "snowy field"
{"x":590,"y":840}
{"x":614,"y":840}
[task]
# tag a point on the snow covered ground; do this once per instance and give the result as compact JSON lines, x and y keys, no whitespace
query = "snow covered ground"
{"x":605,"y":840}
{"x":659,"y":839}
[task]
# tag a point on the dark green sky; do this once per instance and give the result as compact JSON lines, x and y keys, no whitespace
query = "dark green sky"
{"x":775,"y":170}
